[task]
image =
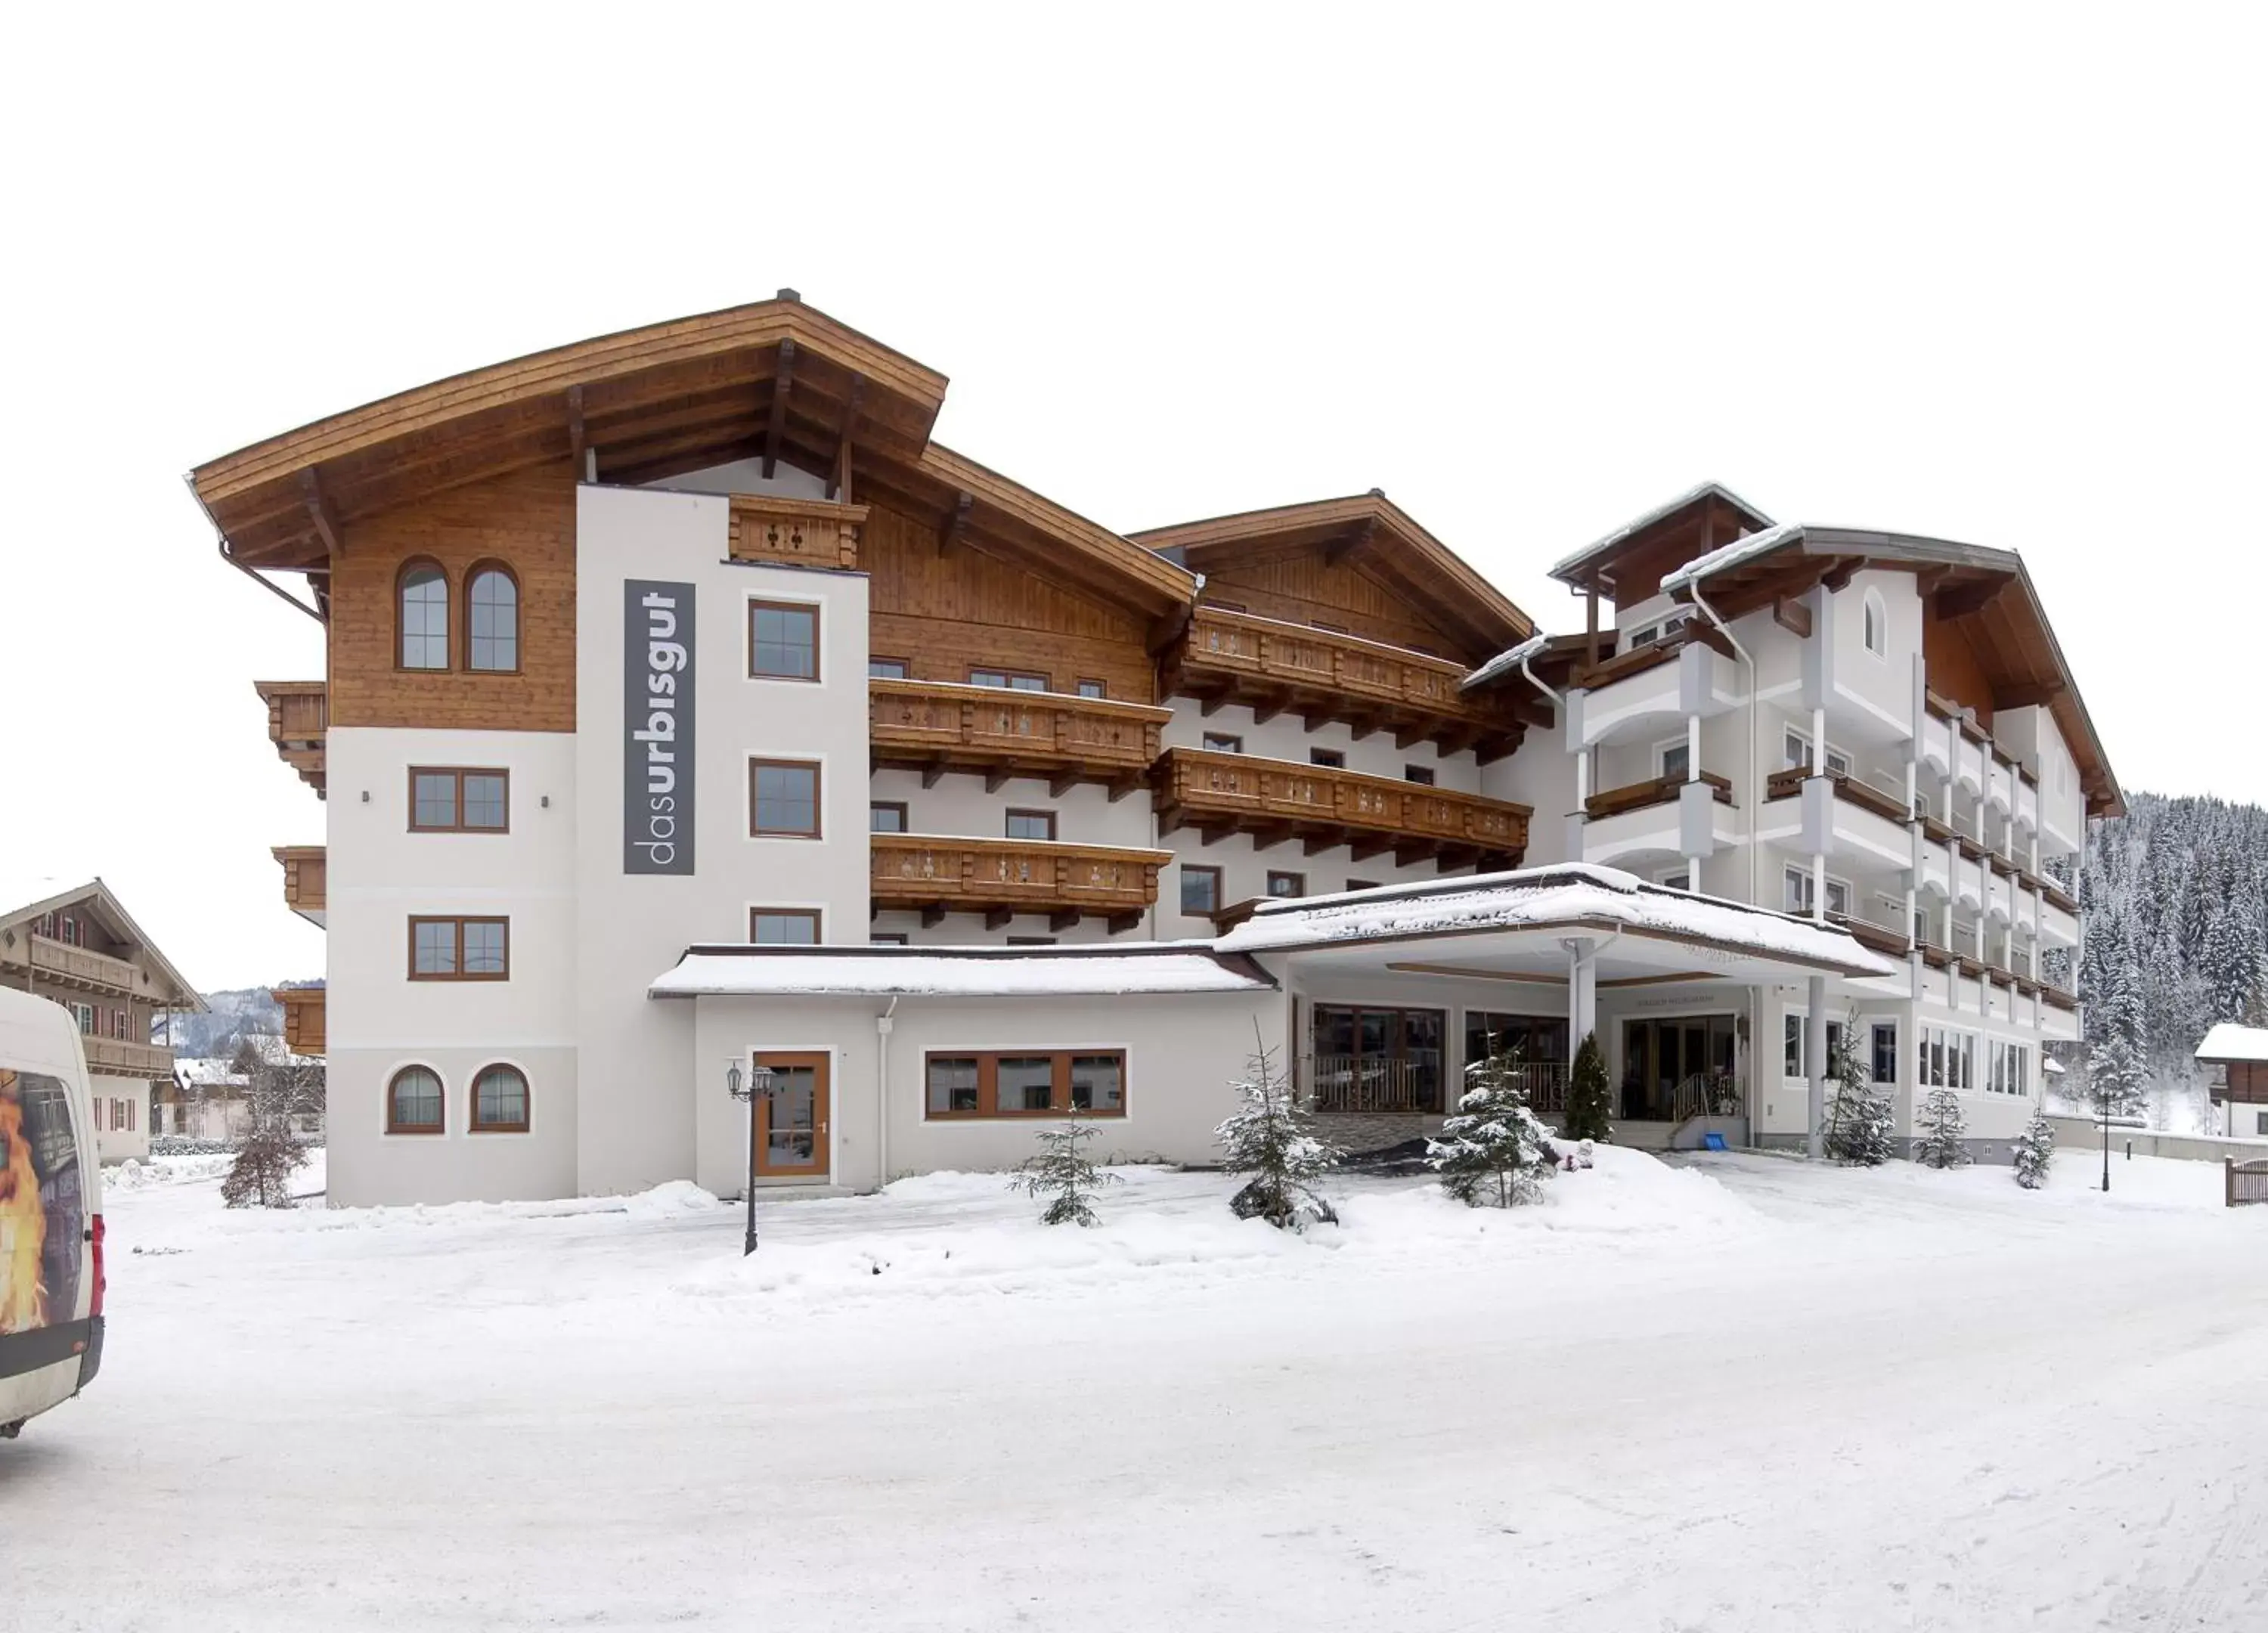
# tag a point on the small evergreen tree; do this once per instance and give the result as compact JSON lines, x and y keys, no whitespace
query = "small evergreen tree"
{"x":1944,"y":1142}
{"x":268,"y":1155}
{"x":2035,"y":1150}
{"x":1590,"y":1103}
{"x":1063,"y":1173}
{"x":1859,"y":1125}
{"x":1493,"y":1152}
{"x":1272,"y":1138}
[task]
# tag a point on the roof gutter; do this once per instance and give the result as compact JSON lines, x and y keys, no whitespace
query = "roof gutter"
{"x":276,"y":590}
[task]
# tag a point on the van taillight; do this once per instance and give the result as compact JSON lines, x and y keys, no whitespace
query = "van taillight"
{"x":94,"y":1235}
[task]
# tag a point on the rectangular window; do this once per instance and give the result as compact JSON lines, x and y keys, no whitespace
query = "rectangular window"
{"x":1013,"y":680}
{"x":1089,"y":687}
{"x":1421,"y":775}
{"x":459,"y":949}
{"x":1330,"y":759}
{"x":1031,"y":825}
{"x":1025,"y":1083}
{"x":459,"y":800}
{"x":783,"y":927}
{"x":783,"y":799}
{"x":886,"y":816}
{"x":1281,"y":884}
{"x":782,"y":641}
{"x":1884,"y":1066}
{"x":1682,"y":879}
{"x":1791,"y":1045}
{"x":889,"y":669}
{"x":1200,"y":890}
{"x":2260,"y":1122}
{"x":84,"y":1013}
{"x":1223,"y":743}
{"x":1537,"y":1040}
{"x":887,"y":938}
{"x":1674,"y":760}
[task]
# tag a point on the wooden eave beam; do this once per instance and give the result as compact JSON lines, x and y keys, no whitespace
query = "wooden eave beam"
{"x":1339,"y":550}
{"x":2029,"y":693}
{"x":575,"y":443}
{"x":1963,"y":600}
{"x":1793,"y":616}
{"x":783,"y":383}
{"x":318,"y":512}
{"x":952,"y":528}
{"x":840,"y":472}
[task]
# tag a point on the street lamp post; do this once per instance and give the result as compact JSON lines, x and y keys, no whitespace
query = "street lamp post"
{"x":758,"y":1087}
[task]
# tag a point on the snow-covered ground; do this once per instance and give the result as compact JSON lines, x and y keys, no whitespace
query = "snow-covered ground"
{"x":1746,"y":1394}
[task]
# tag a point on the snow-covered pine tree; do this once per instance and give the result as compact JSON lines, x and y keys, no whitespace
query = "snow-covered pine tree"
{"x":1492,"y":1154}
{"x":2035,"y":1150}
{"x":1063,"y":1173}
{"x":1859,"y":1122}
{"x":1590,"y":1102}
{"x":1944,"y":1142}
{"x":1272,"y":1138}
{"x":266,"y":1155}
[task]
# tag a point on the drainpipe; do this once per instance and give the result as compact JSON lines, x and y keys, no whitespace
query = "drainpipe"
{"x":882,"y":1025}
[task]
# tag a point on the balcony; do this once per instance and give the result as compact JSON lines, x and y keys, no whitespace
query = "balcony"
{"x":61,"y":964}
{"x":303,"y":868}
{"x":1274,"y":800}
{"x":1663,"y":817}
{"x":1838,"y":814}
{"x":934,"y":875}
{"x":118,"y":1057}
{"x":1275,"y":668}
{"x":802,"y":533}
{"x":1653,"y":792}
{"x":936,"y":726}
{"x":1883,"y":938}
{"x":1632,"y":693}
{"x":303,"y":1019}
{"x":299,"y":718}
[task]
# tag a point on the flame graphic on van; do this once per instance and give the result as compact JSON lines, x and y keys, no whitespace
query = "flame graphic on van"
{"x":22,"y":1222}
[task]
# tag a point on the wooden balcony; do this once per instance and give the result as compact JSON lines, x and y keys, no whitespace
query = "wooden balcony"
{"x":1788,"y":784}
{"x":303,"y":1019}
{"x":936,"y":726}
{"x":120,"y":1057}
{"x":304,"y":870}
{"x":934,"y":875}
{"x":61,"y":964}
{"x":1872,"y":937}
{"x":1274,"y":800}
{"x":299,"y":718}
{"x":805,"y":533}
{"x":1656,"y":790}
{"x":1275,"y":667}
{"x":1639,"y":659}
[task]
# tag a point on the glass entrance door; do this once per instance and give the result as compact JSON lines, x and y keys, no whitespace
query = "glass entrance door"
{"x":790,"y":1125}
{"x":1677,"y":1068}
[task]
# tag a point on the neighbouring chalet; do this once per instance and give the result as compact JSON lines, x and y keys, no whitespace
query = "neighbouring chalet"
{"x":75,"y":943}
{"x":2236,"y":1059}
{"x":971,"y":809}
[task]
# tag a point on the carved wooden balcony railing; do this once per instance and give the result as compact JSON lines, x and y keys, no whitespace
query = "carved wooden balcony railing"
{"x":121,"y":1057}
{"x":1655,"y":791}
{"x":809,"y":533}
{"x":1275,"y":800}
{"x":303,"y":1019}
{"x":937,"y":874}
{"x":299,"y":719}
{"x":1275,"y":667}
{"x":305,"y":867}
{"x":63,"y":964}
{"x":939,"y":726}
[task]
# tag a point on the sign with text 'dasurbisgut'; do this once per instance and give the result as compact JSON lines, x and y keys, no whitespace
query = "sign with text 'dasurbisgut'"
{"x":657,"y":726}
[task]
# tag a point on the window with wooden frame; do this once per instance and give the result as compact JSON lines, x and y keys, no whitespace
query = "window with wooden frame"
{"x":459,"y":949}
{"x":1422,"y":775}
{"x":1329,"y":759}
{"x":782,"y":641}
{"x":492,"y":620}
{"x":421,"y":609}
{"x":1012,"y":680}
{"x":889,"y":669}
{"x":1282,"y":883}
{"x":1223,"y":743}
{"x":460,"y":799}
{"x":499,"y":1101}
{"x":783,"y":799}
{"x":783,"y":927}
{"x":1089,"y":687}
{"x":84,"y":1013}
{"x":886,"y":816}
{"x":414,"y":1101}
{"x":1031,"y":824}
{"x":1024,"y":1083}
{"x":1200,"y":890}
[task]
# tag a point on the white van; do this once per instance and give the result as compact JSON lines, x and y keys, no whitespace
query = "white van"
{"x":50,"y":1213}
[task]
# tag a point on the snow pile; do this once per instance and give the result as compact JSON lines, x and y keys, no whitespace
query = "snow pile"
{"x":136,"y":1174}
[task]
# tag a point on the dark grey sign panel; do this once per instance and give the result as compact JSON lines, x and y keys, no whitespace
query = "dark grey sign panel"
{"x":657,"y":726}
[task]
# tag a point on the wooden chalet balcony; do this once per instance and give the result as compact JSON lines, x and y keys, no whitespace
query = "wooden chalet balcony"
{"x":64,"y":965}
{"x":299,"y":719}
{"x":1275,"y":667}
{"x":303,"y":1019}
{"x":1277,"y":799}
{"x":936,"y":726}
{"x":120,"y":1057}
{"x":1639,"y":659}
{"x":936,"y":874}
{"x":1657,"y":790}
{"x":304,"y":870}
{"x":1788,"y":784}
{"x":808,"y":533}
{"x":1872,"y":937}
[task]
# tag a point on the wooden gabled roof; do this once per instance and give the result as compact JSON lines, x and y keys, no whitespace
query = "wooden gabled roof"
{"x":1627,"y":564}
{"x":1368,"y":531}
{"x":22,"y":900}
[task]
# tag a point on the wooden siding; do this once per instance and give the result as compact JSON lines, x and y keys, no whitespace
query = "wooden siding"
{"x":1954,"y":670}
{"x":947,"y":613}
{"x":1305,"y":589}
{"x":303,"y":1019}
{"x":526,"y":521}
{"x":1277,"y":799}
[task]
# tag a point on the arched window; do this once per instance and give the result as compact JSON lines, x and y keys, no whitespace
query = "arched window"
{"x":413,"y":1102}
{"x":424,"y":617}
{"x":1877,"y":625}
{"x":495,"y":632}
{"x":500,"y":1101}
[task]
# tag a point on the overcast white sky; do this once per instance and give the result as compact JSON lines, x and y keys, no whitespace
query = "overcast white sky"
{"x":1529,"y":269}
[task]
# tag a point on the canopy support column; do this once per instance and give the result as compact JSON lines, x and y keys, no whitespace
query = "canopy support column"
{"x":1814,"y":1065}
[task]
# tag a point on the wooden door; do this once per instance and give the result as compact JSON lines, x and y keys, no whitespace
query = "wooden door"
{"x":790,"y":1121}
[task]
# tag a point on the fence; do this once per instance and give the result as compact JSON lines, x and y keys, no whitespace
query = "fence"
{"x":2244,"y":1183}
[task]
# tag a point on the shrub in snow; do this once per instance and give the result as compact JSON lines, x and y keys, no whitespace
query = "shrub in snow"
{"x":260,"y":1176}
{"x":1590,"y":1109}
{"x":1272,"y":1138}
{"x":1944,"y":1142}
{"x":2035,"y":1150}
{"x":1062,"y":1175}
{"x":1859,"y":1126}
{"x":1493,"y":1152}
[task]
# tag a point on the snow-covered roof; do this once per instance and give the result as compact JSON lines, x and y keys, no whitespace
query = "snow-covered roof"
{"x":1724,"y":555}
{"x":1505,"y":662}
{"x":2228,"y":1041}
{"x":199,"y":1072}
{"x":1570,"y":895}
{"x":958,"y":972}
{"x":1639,"y":524}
